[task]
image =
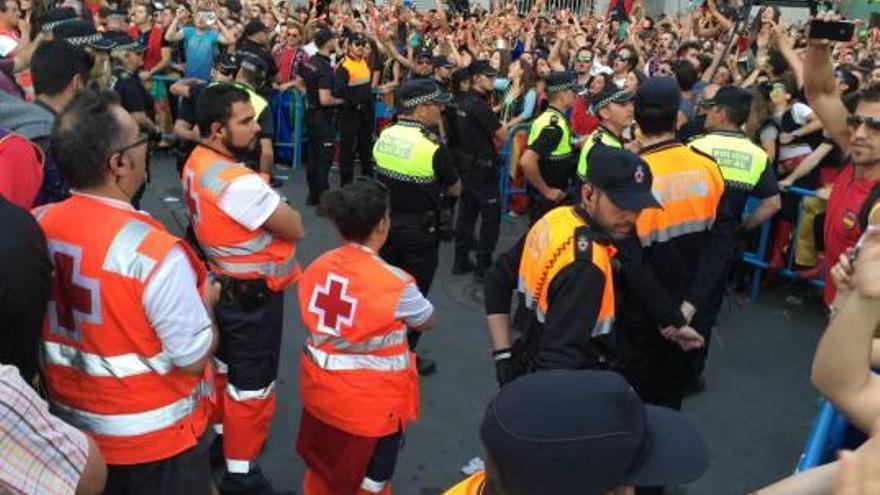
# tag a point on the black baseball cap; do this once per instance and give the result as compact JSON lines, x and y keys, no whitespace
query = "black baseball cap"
{"x":586,"y":432}
{"x":482,"y":68}
{"x":323,"y":36}
{"x":611,"y":94}
{"x":227,"y":62}
{"x":730,"y":96}
{"x":56,"y":17}
{"x":459,"y":75}
{"x":118,"y":12}
{"x":659,"y":93}
{"x":422,"y":52}
{"x":442,"y":61}
{"x":561,"y":81}
{"x":81,"y":34}
{"x":356,"y":38}
{"x":623,"y":176}
{"x":415,"y":92}
{"x":254,"y":27}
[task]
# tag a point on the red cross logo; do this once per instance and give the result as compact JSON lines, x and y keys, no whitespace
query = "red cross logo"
{"x":190,"y":198}
{"x":333,"y":305}
{"x":75,"y":298}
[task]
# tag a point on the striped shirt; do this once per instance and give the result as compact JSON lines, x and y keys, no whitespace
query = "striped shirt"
{"x":39,"y":453}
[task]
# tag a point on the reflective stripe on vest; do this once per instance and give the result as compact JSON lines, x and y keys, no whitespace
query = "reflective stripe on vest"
{"x":123,"y":257}
{"x":130,"y":425}
{"x":549,"y":248}
{"x":266,"y":268}
{"x":403,"y":152}
{"x":563,"y":148}
{"x":676,"y":230}
{"x":599,"y":135}
{"x":357,"y":362}
{"x":119,"y":366}
{"x":240,"y":395}
{"x":742,"y":162}
{"x":372,"y":486}
{"x":396,"y":337}
{"x":250,"y":246}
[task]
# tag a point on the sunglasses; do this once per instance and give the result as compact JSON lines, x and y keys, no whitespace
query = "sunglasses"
{"x":359,"y":44}
{"x":854,"y":121}
{"x":583,"y":60}
{"x":623,"y":58}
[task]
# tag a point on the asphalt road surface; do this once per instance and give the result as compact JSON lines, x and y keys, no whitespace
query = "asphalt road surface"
{"x":755,"y":413}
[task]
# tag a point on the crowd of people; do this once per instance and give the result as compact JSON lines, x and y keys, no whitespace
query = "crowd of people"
{"x":651,"y":147}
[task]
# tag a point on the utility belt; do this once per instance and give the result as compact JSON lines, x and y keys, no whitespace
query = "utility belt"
{"x":251,"y":294}
{"x":437,"y":222}
{"x":357,"y":107}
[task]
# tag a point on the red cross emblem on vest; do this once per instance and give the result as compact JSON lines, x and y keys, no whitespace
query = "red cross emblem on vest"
{"x":333,"y":305}
{"x":75,"y":297}
{"x":189,"y":196}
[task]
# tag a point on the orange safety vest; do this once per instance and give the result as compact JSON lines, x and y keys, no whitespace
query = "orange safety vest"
{"x":689,"y":185}
{"x":550,"y":246}
{"x":357,"y":373}
{"x":472,"y":485}
{"x":104,"y":366}
{"x":232,"y":249}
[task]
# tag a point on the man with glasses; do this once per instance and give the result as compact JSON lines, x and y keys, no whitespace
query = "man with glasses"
{"x":353,"y":85}
{"x":858,"y":135}
{"x":127,"y":337}
{"x":623,"y":62}
{"x":422,"y":66}
{"x":583,"y":65}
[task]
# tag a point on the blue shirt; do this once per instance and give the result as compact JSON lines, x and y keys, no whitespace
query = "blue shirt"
{"x":200,"y":49}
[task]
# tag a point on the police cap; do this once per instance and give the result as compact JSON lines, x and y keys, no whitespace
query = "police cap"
{"x":623,"y":176}
{"x":56,"y":17}
{"x":586,"y":432}
{"x":482,"y":68}
{"x":611,"y":94}
{"x":417,"y":92}
{"x":124,"y":43}
{"x":81,"y":34}
{"x":563,"y":80}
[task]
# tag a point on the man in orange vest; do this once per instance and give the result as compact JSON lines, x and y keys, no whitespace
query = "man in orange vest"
{"x":358,"y":377}
{"x":247,"y":234}
{"x":562,"y":268}
{"x":127,"y":337}
{"x":675,"y":268}
{"x":581,"y":433}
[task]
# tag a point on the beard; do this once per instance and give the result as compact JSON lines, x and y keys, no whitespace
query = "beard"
{"x":239,"y":151}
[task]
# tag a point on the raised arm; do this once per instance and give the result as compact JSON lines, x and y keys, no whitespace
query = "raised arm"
{"x":820,"y":87}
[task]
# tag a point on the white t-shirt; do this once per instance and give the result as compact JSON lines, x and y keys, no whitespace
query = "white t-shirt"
{"x":249,"y":201}
{"x":799,"y":113}
{"x":7,"y":44}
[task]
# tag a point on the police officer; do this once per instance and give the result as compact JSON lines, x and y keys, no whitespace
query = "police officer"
{"x":352,"y":85}
{"x":563,"y":269}
{"x":443,"y":69}
{"x":746,"y":170}
{"x":248,"y":234}
{"x":255,"y":41}
{"x":370,"y":401}
{"x":418,"y":170}
{"x":320,"y":115}
{"x":614,"y":109}
{"x":675,"y":266}
{"x":478,"y":127}
{"x":127,"y":58}
{"x":422,"y":64}
{"x":252,"y":74}
{"x":549,"y":162}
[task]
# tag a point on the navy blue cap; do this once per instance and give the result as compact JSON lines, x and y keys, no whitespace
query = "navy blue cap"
{"x":124,"y":43}
{"x":422,"y":52}
{"x":659,"y":92}
{"x":730,"y":96}
{"x":482,"y":68}
{"x":623,"y":176}
{"x":415,"y":92}
{"x":56,"y":17}
{"x":561,"y":81}
{"x":81,"y":34}
{"x":584,"y":433}
{"x":611,"y":94}
{"x":459,"y":75}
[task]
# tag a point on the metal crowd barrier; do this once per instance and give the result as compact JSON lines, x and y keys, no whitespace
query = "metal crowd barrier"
{"x":509,"y":164}
{"x":827,"y":436}
{"x":758,"y":258}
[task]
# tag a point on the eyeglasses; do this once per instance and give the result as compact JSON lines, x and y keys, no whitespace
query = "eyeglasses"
{"x":855,"y":121}
{"x":143,"y":139}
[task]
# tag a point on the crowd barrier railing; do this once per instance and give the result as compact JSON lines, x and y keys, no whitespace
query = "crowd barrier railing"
{"x":757,"y":258}
{"x":511,"y":150}
{"x":827,"y":436}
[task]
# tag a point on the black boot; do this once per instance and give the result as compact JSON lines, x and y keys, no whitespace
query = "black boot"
{"x":425,"y":366}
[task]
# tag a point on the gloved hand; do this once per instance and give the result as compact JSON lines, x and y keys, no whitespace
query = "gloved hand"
{"x":505,"y":370}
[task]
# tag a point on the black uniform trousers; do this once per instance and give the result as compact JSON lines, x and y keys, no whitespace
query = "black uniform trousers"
{"x":322,"y":136}
{"x":188,"y":472}
{"x":355,"y":136}
{"x":481,"y":202}
{"x":412,"y":248}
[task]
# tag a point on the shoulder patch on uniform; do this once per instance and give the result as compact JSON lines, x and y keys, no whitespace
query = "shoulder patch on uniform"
{"x":583,"y":243}
{"x":554,"y":120}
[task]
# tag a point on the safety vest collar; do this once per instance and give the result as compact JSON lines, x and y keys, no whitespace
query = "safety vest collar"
{"x":608,"y":132}
{"x":727,"y":133}
{"x":222,"y":154}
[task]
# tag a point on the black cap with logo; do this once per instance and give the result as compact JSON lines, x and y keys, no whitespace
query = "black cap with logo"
{"x":730,"y":96}
{"x":584,"y":433}
{"x":81,"y":34}
{"x":611,"y":94}
{"x":415,"y":92}
{"x":623,"y":176}
{"x":482,"y":68}
{"x":561,"y":81}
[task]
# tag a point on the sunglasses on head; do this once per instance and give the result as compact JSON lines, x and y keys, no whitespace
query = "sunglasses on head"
{"x":854,"y":121}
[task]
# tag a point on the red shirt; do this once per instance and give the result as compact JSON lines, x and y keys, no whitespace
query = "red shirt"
{"x":583,"y":121}
{"x":842,"y":229}
{"x":21,"y":169}
{"x":152,"y":40}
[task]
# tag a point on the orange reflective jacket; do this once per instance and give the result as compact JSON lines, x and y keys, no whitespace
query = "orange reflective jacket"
{"x":232,"y":249}
{"x":550,"y":246}
{"x":473,"y":485}
{"x":689,"y":185}
{"x":357,"y":372}
{"x":103,"y":363}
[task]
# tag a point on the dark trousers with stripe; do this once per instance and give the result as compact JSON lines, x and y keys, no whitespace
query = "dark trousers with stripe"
{"x":188,"y":472}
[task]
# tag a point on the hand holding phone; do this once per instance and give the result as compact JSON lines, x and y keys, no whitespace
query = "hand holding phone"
{"x":831,"y":30}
